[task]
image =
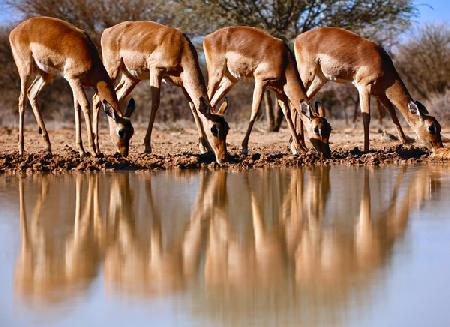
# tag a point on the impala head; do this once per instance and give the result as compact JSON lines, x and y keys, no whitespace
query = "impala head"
{"x":217,"y":130}
{"x":427,"y":127}
{"x":317,"y":127}
{"x":121,"y":129}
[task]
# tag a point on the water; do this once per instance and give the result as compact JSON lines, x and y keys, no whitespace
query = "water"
{"x":333,"y":246}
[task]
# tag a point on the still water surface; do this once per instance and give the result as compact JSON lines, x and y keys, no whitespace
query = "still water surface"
{"x":333,"y":246}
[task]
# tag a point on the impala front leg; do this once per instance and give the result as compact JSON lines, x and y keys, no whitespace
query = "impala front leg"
{"x":95,"y":111}
{"x":256,"y":104}
{"x":33,"y":93}
{"x":364,"y":100}
{"x":24,"y":82}
{"x":203,"y":143}
{"x":78,"y":139}
{"x":155,"y":87}
{"x":298,"y":147}
{"x":81,"y":100}
{"x":388,"y":105}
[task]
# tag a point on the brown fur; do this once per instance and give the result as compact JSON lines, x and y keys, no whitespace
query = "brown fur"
{"x":330,"y":53}
{"x":44,"y":47}
{"x":240,"y":53}
{"x":142,"y":50}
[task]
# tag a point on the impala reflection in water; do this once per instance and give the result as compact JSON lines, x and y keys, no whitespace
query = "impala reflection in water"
{"x":266,"y":247}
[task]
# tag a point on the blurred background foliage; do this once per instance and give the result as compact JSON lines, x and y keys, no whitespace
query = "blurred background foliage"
{"x":422,"y":58}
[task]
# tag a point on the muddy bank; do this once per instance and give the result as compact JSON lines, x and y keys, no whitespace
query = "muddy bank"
{"x":177,"y":148}
{"x":70,"y":160}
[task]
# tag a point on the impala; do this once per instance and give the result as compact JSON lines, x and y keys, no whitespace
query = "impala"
{"x":144,"y":50}
{"x":44,"y":47}
{"x":334,"y":54}
{"x":238,"y":53}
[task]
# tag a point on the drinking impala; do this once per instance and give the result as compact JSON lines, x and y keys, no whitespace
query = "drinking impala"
{"x":334,"y":54}
{"x":240,"y":52}
{"x":44,"y":47}
{"x":144,"y":50}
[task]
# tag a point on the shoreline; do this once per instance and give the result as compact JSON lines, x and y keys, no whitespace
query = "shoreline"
{"x":70,"y":160}
{"x":176,"y":148}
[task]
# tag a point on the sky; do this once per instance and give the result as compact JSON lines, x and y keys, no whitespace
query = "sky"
{"x":429,"y":11}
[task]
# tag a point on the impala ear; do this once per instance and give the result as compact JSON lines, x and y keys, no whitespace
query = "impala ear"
{"x":306,"y":109}
{"x":130,"y":108}
{"x":320,"y":110}
{"x":223,"y":107}
{"x":109,"y":110}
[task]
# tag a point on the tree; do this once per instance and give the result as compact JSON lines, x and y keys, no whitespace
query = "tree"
{"x":283,"y":19}
{"x":424,"y":61}
{"x":286,"y":19}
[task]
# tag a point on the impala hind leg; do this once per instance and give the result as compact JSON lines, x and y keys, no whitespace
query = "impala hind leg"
{"x":80,"y":101}
{"x":155,"y":88}
{"x":225,"y":85}
{"x":317,"y":83}
{"x":33,"y":94}
{"x":391,"y":109}
{"x":124,"y":88}
{"x":256,"y":104}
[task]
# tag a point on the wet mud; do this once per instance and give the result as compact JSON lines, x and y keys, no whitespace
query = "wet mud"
{"x":178,"y":150}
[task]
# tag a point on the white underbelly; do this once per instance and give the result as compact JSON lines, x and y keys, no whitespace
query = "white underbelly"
{"x":46,"y":68}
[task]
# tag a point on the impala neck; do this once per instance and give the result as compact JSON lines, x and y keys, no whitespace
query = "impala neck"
{"x":400,"y":97}
{"x":192,"y":76}
{"x":105,"y":91}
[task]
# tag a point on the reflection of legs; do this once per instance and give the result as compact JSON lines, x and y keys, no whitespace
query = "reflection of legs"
{"x":365,"y":235}
{"x":80,"y":100}
{"x":364,"y":100}
{"x":388,"y":105}
{"x":256,"y":104}
{"x":191,"y":247}
{"x":155,"y":86}
{"x":282,"y":102}
{"x":224,"y":87}
{"x":33,"y":93}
